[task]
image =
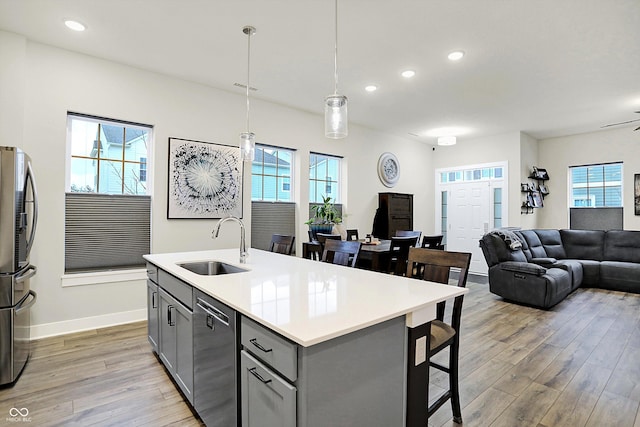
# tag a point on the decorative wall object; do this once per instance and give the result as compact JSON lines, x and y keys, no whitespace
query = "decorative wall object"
{"x":205,"y":180}
{"x":636,"y":193}
{"x":534,"y":191}
{"x":388,"y":169}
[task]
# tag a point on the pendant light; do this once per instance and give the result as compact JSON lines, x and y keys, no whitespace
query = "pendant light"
{"x":248,"y":138}
{"x":336,"y":125}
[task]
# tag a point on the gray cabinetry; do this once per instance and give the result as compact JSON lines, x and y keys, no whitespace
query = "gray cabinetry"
{"x":152,"y":314}
{"x":332,"y":383}
{"x":152,"y":306}
{"x":175,"y":327}
{"x":267,"y":399}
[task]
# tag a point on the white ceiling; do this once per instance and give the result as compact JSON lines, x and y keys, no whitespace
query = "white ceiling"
{"x":544,"y":67}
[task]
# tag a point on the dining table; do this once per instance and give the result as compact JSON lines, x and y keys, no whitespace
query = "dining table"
{"x":373,"y":256}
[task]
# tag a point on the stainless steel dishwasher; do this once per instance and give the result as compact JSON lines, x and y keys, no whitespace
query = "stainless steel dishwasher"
{"x":214,"y":361}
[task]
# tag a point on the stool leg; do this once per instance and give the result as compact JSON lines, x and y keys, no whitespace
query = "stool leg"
{"x":453,"y":382}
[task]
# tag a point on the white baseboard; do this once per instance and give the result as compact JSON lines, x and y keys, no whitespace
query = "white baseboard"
{"x":87,"y":323}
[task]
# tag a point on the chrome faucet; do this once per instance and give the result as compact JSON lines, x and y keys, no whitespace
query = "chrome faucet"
{"x":243,"y":249}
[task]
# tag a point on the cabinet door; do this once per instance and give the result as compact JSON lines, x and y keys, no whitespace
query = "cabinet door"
{"x":167,"y":339}
{"x":153,"y":304}
{"x":267,"y":400}
{"x":176,"y":342}
{"x":184,"y":350}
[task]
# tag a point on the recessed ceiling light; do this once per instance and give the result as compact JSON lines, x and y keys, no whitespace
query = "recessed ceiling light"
{"x":407,"y":74}
{"x":447,"y":140}
{"x":371,"y":88}
{"x":74,"y":25}
{"x":456,"y":55}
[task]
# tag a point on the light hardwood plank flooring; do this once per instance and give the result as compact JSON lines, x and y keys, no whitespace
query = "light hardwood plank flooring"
{"x":574,"y":365}
{"x":105,"y":377}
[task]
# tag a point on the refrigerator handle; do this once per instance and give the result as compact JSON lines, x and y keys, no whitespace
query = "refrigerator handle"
{"x":29,"y":272}
{"x":22,"y":307}
{"x":34,"y":221}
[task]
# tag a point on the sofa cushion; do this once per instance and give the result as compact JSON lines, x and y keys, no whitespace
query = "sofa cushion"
{"x":622,"y":246}
{"x":534,"y":243}
{"x":620,"y":276}
{"x":525,"y":245}
{"x":523,"y":267}
{"x":583,"y":244}
{"x":574,"y":268}
{"x":590,"y":272}
{"x":552,"y":243}
{"x":496,"y":250}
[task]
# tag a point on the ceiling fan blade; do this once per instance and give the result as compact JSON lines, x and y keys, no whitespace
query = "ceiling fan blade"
{"x":621,"y":123}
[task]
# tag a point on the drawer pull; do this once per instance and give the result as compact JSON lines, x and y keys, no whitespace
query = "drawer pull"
{"x":258,"y":376}
{"x":255,"y":342}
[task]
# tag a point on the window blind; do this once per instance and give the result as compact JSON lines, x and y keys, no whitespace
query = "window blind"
{"x":106,"y":231}
{"x":268,"y":218}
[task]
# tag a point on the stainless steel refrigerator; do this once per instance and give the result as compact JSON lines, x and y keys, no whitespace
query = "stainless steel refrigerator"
{"x":18,"y":218}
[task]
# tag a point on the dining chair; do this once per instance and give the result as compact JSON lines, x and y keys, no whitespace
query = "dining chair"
{"x":410,"y":233}
{"x":433,"y":242}
{"x":352,"y":234}
{"x":341,"y":252}
{"x":435,"y":266}
{"x":282,"y":244}
{"x":398,"y":253}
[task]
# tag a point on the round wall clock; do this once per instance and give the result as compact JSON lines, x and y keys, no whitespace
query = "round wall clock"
{"x":388,"y":169}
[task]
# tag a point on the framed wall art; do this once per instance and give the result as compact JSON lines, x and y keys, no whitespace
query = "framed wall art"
{"x":205,"y":180}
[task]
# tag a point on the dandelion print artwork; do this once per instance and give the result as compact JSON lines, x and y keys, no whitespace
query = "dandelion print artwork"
{"x":205,"y":180}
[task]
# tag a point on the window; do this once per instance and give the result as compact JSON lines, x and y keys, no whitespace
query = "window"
{"x":324,"y":177}
{"x":107,"y":205}
{"x":143,"y":169}
{"x":596,"y":186}
{"x":272,"y":207}
{"x":271,"y":174}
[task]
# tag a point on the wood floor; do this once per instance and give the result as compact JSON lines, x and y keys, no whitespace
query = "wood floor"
{"x":575,"y":365}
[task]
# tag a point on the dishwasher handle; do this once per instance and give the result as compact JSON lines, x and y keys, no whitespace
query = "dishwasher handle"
{"x":212,"y":311}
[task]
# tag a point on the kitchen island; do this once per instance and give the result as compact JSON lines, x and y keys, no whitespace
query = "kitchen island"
{"x":350,"y":338}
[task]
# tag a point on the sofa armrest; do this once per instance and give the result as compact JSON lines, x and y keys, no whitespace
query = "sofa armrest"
{"x":523,"y":267}
{"x":545,"y":262}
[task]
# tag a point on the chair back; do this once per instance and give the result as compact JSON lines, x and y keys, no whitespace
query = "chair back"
{"x":433,"y":242}
{"x":410,"y":233}
{"x":341,"y":252}
{"x":352,"y":235}
{"x":282,"y":244}
{"x":399,"y":252}
{"x":435,"y":266}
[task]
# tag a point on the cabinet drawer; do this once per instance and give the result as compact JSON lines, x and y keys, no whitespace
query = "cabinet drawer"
{"x":152,"y":272}
{"x":267,"y":400}
{"x":180,"y":290}
{"x":272,"y":349}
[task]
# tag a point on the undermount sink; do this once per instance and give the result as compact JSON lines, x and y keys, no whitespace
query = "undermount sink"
{"x":211,"y":268}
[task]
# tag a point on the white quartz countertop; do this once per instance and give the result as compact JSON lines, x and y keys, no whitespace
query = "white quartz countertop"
{"x":308,"y":301}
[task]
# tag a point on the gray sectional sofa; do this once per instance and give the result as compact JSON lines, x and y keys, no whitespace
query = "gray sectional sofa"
{"x":541,"y":267}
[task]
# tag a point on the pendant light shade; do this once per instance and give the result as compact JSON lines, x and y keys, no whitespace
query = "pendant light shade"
{"x":248,"y":146}
{"x":248,"y":138}
{"x":335,"y":116}
{"x":336,"y":124}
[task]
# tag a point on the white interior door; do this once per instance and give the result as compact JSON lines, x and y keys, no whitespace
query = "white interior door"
{"x":469,"y":219}
{"x":474,"y":203}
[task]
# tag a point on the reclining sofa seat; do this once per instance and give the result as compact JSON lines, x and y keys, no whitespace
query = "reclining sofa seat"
{"x":604,"y":259}
{"x":513,"y":277}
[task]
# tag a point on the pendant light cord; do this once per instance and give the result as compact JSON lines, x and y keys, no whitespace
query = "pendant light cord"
{"x":248,"y":68}
{"x":335,"y":57}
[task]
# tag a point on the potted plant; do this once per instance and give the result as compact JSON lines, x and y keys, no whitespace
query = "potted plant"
{"x":325,"y":216}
